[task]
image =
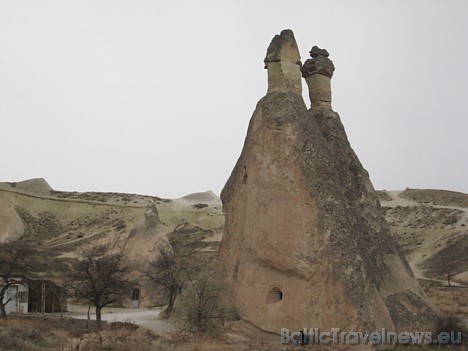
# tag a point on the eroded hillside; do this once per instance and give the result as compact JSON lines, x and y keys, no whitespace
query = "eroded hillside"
{"x":430,"y":225}
{"x":63,"y":221}
{"x":431,"y":228}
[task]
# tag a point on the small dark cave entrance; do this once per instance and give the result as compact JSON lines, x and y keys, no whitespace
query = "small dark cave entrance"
{"x":275,"y":295}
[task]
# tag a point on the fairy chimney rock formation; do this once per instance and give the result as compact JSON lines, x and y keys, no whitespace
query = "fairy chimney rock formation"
{"x":305,"y":244}
{"x":317,"y":72}
{"x":284,"y":63}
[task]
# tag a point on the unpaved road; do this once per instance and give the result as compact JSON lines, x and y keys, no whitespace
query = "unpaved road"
{"x":140,"y":316}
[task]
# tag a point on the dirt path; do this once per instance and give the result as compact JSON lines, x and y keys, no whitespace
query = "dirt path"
{"x":141,"y":316}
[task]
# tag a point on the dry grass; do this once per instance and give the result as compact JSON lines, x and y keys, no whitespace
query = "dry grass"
{"x":204,"y":342}
{"x":128,"y":339}
{"x":24,"y":335}
{"x":117,"y":339}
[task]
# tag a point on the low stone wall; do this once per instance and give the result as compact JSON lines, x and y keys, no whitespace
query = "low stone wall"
{"x":449,"y":300}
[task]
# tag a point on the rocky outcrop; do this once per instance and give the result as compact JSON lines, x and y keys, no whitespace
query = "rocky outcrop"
{"x":207,"y":197}
{"x":304,"y":243}
{"x":11,"y":226}
{"x":318,"y":72}
{"x":284,"y":64}
{"x":147,"y":225}
{"x":36,"y":186}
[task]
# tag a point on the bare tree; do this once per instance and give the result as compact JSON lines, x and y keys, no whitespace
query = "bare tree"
{"x":172,"y":268}
{"x":205,"y":303}
{"x":449,"y":268}
{"x":166,"y":271}
{"x":100,"y":276}
{"x":15,"y":263}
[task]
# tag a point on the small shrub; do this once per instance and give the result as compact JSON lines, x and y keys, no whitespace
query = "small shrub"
{"x":124,"y":338}
{"x":204,"y":305}
{"x":449,"y":323}
{"x":123,"y":325}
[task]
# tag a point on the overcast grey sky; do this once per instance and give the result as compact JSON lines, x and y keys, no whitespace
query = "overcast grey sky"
{"x":154,"y":97}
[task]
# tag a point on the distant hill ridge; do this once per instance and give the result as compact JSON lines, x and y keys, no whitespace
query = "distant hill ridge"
{"x":40,"y":187}
{"x":37,"y":186}
{"x":65,"y":220}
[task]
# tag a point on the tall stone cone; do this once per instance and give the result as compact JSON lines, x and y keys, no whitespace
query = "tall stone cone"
{"x":305,"y":244}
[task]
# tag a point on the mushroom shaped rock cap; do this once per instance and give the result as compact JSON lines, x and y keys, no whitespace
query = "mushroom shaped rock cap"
{"x":283,"y":47}
{"x":316,"y":52}
{"x":318,"y":64}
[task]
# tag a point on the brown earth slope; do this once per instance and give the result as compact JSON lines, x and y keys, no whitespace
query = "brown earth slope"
{"x":63,"y":221}
{"x":431,"y":226}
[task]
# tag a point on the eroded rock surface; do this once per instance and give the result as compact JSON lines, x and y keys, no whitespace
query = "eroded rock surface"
{"x":304,"y":243}
{"x":318,"y":72}
{"x":283,"y":63}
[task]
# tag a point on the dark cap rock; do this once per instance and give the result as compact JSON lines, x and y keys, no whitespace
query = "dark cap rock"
{"x":316,"y":52}
{"x":318,"y":64}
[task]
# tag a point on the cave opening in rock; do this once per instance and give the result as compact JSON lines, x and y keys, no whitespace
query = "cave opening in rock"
{"x":275,"y":295}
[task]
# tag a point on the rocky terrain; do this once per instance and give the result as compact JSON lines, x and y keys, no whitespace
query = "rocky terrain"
{"x":304,"y":237}
{"x":431,"y":227}
{"x":63,"y":221}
